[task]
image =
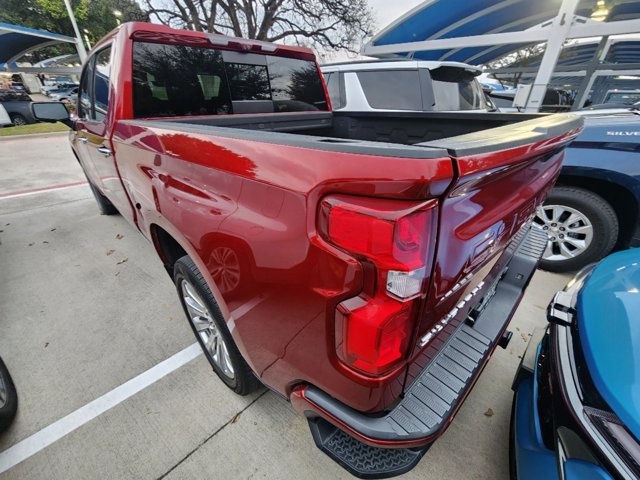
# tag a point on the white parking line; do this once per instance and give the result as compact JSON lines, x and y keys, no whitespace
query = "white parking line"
{"x":54,"y":432}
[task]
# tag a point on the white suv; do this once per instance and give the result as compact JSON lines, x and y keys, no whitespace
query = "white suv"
{"x":405,"y":85}
{"x":5,"y":120}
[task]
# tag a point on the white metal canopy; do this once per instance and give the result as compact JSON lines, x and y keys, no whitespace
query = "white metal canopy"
{"x":483,"y":30}
{"x":17,"y":41}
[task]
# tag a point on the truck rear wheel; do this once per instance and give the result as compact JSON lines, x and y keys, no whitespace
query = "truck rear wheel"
{"x":210,"y":329}
{"x":8,"y":398}
{"x":581,"y":226}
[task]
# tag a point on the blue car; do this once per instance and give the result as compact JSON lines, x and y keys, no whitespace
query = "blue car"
{"x":595,"y":206}
{"x":576,"y":410}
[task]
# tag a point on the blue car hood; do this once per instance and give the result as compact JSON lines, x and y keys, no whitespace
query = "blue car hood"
{"x":609,"y":324}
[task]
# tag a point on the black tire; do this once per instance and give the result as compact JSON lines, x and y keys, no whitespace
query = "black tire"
{"x":602,"y":218}
{"x":244,"y":381}
{"x":9,"y":406}
{"x":104,"y":204}
{"x":18,"y":120}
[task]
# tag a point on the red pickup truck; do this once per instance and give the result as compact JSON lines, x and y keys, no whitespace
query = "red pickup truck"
{"x":362,"y":265}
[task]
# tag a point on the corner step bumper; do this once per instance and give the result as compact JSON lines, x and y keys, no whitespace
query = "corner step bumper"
{"x":435,"y":395}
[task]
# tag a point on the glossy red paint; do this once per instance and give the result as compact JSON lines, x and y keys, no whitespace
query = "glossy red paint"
{"x":474,"y":232}
{"x":225,"y":196}
{"x":250,"y":196}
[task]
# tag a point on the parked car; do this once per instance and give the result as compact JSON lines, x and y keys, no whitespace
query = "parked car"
{"x":17,"y":87}
{"x":595,"y":206}
{"x":404,"y":85}
{"x":18,"y":106}
{"x":555,"y":100}
{"x":576,"y":410}
{"x":64,"y":95}
{"x":57,"y":88}
{"x":609,"y":108}
{"x":627,"y":97}
{"x":362,"y":265}
{"x":5,"y":119}
{"x":8,"y":398}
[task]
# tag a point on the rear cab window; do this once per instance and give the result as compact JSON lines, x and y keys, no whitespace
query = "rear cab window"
{"x":180,"y":80}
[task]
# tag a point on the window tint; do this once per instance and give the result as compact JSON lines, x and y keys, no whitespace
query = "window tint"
{"x":392,"y":89}
{"x":295,"y":85}
{"x":170,"y":80}
{"x":622,"y":97}
{"x":456,"y":89}
{"x":335,"y":92}
{"x":248,"y":82}
{"x":101,"y":83}
{"x":84,"y":97}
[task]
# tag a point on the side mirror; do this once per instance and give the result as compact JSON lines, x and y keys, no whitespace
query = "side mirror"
{"x":52,"y":112}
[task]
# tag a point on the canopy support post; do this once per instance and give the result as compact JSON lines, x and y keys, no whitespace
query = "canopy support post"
{"x":558,"y":34}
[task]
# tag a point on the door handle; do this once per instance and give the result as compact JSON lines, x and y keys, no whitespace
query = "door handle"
{"x":83,"y":139}
{"x":104,"y":151}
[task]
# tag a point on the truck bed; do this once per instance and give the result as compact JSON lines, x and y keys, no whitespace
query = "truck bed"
{"x":411,"y":134}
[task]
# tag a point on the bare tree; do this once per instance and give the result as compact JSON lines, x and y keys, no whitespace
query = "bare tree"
{"x":332,"y":24}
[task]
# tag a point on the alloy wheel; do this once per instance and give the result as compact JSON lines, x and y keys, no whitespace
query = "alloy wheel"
{"x":568,"y":230}
{"x":207,"y":330}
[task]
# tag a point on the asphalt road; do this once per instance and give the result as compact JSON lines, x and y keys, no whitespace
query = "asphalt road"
{"x":87,"y":314}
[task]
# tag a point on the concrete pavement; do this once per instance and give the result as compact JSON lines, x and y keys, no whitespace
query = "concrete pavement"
{"x":86,"y":306}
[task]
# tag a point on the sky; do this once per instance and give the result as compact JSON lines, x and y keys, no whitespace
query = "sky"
{"x":385,"y":11}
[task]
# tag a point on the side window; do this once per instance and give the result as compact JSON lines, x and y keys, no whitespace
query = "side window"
{"x":456,"y":89}
{"x":335,"y":91}
{"x":84,"y":97}
{"x":101,"y":83}
{"x":392,"y":89}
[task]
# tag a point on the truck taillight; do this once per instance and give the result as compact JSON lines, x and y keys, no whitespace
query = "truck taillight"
{"x":373,"y":330}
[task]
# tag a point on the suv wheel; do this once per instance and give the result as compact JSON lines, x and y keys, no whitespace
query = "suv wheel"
{"x":581,"y":227}
{"x":210,"y":328}
{"x":18,"y":119}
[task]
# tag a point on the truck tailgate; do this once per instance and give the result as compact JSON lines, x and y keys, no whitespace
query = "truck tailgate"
{"x":503,"y":175}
